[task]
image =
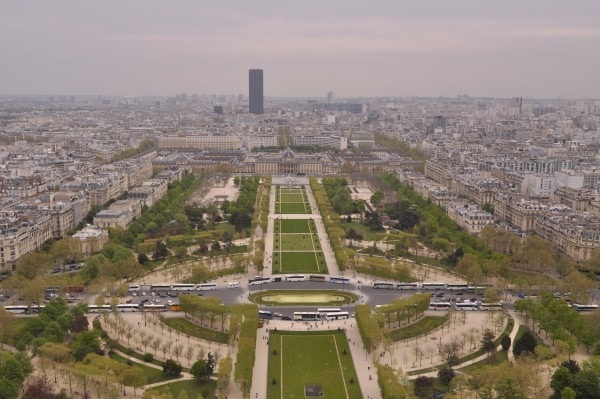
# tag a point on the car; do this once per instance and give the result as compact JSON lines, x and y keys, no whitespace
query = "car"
{"x":169,"y":302}
{"x":134,"y":293}
{"x":286,"y":318}
{"x":460,"y":293}
{"x":277,"y":314}
{"x":143,"y":293}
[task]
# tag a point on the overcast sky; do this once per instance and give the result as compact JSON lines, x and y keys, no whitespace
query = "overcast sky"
{"x":503,"y":48}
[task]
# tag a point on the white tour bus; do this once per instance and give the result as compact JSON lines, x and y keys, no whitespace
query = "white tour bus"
{"x":295,"y":277}
{"x":207,"y":287}
{"x":233,"y":284}
{"x":134,"y":287}
{"x":183,"y":287}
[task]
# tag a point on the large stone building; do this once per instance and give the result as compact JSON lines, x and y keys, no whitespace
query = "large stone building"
{"x":200,"y":142}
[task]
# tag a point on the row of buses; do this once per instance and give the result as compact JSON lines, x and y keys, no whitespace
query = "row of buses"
{"x":467,"y":305}
{"x":432,"y":286}
{"x":175,"y":287}
{"x":122,"y":307}
{"x":258,"y":280}
{"x":316,"y":315}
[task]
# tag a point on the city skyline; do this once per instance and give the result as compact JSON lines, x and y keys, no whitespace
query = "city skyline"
{"x":540,"y":49}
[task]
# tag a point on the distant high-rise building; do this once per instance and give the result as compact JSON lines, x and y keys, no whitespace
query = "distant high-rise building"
{"x":256,"y":91}
{"x":330,"y":98}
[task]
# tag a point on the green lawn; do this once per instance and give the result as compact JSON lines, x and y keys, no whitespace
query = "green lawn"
{"x":499,"y":357}
{"x":299,"y":262}
{"x":152,"y":375}
{"x":294,"y":208}
{"x":298,"y":242}
{"x":194,"y":330}
{"x":302,"y":297}
{"x":428,"y":323}
{"x":296,"y":226}
{"x":291,"y":197}
{"x":191,"y":388}
{"x":319,"y":358}
{"x":367,"y":233}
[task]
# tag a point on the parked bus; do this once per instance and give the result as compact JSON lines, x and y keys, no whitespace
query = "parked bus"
{"x":128,"y":307}
{"x":467,"y":306}
{"x":265,"y":315}
{"x":207,"y":287}
{"x":258,"y":280}
{"x":160,"y":287}
{"x":457,"y":287}
{"x":17,"y":309}
{"x":433,"y":286}
{"x":306,"y":316}
{"x":584,"y":308}
{"x":336,"y":316}
{"x":233,"y":284}
{"x":183,"y":287}
{"x":316,"y":277}
{"x":295,"y":277}
{"x":134,"y":287}
{"x":383,"y":284}
{"x":339,"y":280}
{"x":151,"y":307}
{"x":439,"y":306}
{"x":324,"y":311}
{"x":99,"y":308}
{"x":490,"y":306}
{"x":407,"y":286}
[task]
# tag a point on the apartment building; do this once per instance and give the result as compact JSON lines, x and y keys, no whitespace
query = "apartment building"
{"x":200,"y":142}
{"x":469,"y":217}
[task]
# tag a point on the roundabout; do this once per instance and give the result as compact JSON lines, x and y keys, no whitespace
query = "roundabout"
{"x":302,"y":297}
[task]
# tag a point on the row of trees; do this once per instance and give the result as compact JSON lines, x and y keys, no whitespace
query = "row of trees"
{"x":560,"y":322}
{"x":382,"y":267}
{"x":246,"y":346}
{"x":241,"y":210}
{"x":368,"y":327}
{"x":204,"y":308}
{"x":341,"y":201}
{"x":331,"y":220}
{"x":403,"y":310}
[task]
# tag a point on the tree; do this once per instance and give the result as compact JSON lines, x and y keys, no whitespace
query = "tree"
{"x":568,"y":393}
{"x":586,"y":384}
{"x":525,"y":343}
{"x":505,"y":342}
{"x":39,"y":387}
{"x":561,"y":379}
{"x":423,"y":386}
{"x":171,"y":368}
{"x":377,"y":197}
{"x":161,"y":251}
{"x":133,"y":377}
{"x":445,"y":375}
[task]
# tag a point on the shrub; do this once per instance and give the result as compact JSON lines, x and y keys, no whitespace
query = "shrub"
{"x":148,"y":357}
{"x":505,"y":342}
{"x":171,"y":368}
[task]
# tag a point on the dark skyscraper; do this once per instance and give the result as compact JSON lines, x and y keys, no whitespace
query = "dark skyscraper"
{"x":256,"y":91}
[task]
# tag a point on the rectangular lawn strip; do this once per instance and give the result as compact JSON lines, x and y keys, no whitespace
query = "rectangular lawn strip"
{"x":298,"y":242}
{"x":293,"y":208}
{"x":305,"y":262}
{"x":295,"y":226}
{"x":195,"y":330}
{"x":191,"y":387}
{"x":152,"y":375}
{"x":311,"y":358}
{"x":292,"y":197}
{"x":426,"y":324}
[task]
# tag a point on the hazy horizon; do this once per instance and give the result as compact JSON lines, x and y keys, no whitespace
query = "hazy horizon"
{"x":534,"y":49}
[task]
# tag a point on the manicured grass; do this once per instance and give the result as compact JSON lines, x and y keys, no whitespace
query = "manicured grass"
{"x":302,"y":297}
{"x":226,"y":227}
{"x":191,"y":388}
{"x":367,"y":233}
{"x":499,"y":357}
{"x":152,"y":375}
{"x":296,"y":226}
{"x":426,"y":324}
{"x":291,"y":197}
{"x":301,"y":262}
{"x":195,"y":330}
{"x":298,"y":242}
{"x":321,"y":358}
{"x":294,"y":208}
